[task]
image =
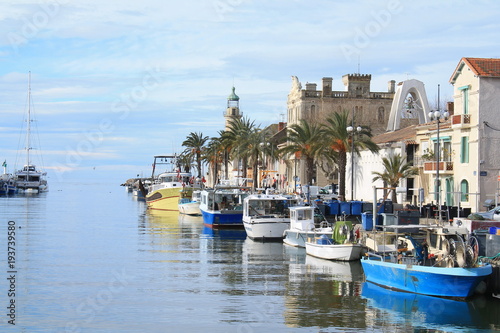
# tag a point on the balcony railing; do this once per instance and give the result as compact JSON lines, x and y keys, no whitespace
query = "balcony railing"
{"x":460,"y":120}
{"x":444,"y":167}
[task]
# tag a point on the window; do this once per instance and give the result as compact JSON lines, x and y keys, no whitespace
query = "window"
{"x":465,"y":93}
{"x":464,"y":149}
{"x":464,"y":188}
{"x":465,"y":98}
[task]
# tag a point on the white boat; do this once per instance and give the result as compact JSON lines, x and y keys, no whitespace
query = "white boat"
{"x":189,"y":201}
{"x":303,"y":224}
{"x":267,"y":216}
{"x":341,"y":245}
{"x":30,"y":179}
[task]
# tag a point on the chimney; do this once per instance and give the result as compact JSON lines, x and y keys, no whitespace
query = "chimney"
{"x":451,"y":108}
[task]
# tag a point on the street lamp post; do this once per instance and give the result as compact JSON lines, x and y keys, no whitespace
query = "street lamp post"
{"x":438,"y":115}
{"x":352,"y":131}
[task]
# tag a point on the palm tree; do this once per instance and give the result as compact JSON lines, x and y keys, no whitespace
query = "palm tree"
{"x":212,"y":154}
{"x":236,"y":136}
{"x":194,"y":145}
{"x":395,"y":169}
{"x":225,"y":143}
{"x":184,"y":162}
{"x":304,"y":140}
{"x":339,"y":142}
{"x":253,"y":146}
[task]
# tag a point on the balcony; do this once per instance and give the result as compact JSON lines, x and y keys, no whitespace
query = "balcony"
{"x":444,"y":167}
{"x":460,"y":120}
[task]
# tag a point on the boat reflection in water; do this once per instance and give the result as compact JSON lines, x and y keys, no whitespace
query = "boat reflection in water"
{"x":425,"y":311}
{"x":208,"y":232}
{"x":322,"y":293}
{"x":347,"y":271}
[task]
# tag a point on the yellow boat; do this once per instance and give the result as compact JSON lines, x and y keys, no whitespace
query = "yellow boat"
{"x":164,"y":192}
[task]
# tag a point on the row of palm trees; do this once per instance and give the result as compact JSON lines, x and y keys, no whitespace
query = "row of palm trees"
{"x":324,"y":145}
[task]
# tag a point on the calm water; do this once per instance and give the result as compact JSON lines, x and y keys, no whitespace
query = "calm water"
{"x":88,"y":258}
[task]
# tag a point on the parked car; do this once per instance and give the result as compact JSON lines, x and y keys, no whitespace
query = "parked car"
{"x":329,"y":189}
{"x":492,"y":214}
{"x":328,"y":194}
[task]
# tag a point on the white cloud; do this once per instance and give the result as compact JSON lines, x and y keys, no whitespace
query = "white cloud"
{"x":88,"y":56}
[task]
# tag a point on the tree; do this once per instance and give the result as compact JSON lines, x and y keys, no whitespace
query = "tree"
{"x":237,"y":137}
{"x":212,"y":154}
{"x":194,"y":146}
{"x":227,"y":140}
{"x":253,"y":146}
{"x":338,"y":141}
{"x":304,"y":139}
{"x":395,"y":169}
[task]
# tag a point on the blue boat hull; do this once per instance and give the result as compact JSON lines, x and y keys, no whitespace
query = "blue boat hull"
{"x":216,"y":219}
{"x":433,"y":281}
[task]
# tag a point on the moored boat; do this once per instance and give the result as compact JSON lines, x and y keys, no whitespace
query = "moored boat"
{"x":303,"y":224}
{"x":413,"y":267}
{"x":7,"y":182}
{"x":30,"y":179}
{"x":163,"y":193}
{"x":267,"y":216}
{"x":189,"y":201}
{"x":223,"y":206}
{"x":342,"y":246}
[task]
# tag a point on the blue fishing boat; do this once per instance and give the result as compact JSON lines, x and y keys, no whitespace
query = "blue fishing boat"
{"x":222,"y":207}
{"x":411,"y":267}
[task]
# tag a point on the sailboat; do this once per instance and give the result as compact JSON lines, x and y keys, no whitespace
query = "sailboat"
{"x":30,"y":179}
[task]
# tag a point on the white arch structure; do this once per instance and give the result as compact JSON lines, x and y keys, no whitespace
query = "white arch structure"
{"x":416,"y":90}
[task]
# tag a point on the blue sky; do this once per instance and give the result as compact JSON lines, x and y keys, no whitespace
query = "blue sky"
{"x":116,"y":82}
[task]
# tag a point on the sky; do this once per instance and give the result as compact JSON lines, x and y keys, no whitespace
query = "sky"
{"x":114,"y":83}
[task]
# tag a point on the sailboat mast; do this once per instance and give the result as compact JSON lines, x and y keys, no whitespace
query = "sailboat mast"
{"x":28,"y":138}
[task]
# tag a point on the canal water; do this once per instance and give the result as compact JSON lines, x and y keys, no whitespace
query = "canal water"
{"x":87,"y":257}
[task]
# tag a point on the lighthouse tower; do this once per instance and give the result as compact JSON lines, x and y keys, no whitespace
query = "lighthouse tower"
{"x":233,"y":108}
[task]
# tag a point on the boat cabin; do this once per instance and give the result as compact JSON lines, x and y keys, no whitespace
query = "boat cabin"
{"x":269,"y":205}
{"x":302,"y":218}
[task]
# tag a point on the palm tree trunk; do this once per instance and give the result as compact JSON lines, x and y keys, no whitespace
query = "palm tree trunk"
{"x":226,"y":164}
{"x":198,"y":161}
{"x":214,"y":178}
{"x":255,"y":174}
{"x":310,"y":170}
{"x":342,"y":170}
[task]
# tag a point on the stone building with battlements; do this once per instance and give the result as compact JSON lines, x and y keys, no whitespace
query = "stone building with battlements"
{"x":370,"y":108}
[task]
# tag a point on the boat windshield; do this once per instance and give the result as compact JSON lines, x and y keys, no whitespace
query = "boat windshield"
{"x":271,"y":207}
{"x":302,"y":214}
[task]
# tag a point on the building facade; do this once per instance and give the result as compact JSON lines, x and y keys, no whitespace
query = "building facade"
{"x":475,"y":130}
{"x":369,"y":108}
{"x":468,"y":141}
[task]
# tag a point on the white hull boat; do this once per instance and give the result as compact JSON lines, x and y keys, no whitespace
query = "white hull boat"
{"x":303,"y":226}
{"x":267,"y":216}
{"x":342,"y":252}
